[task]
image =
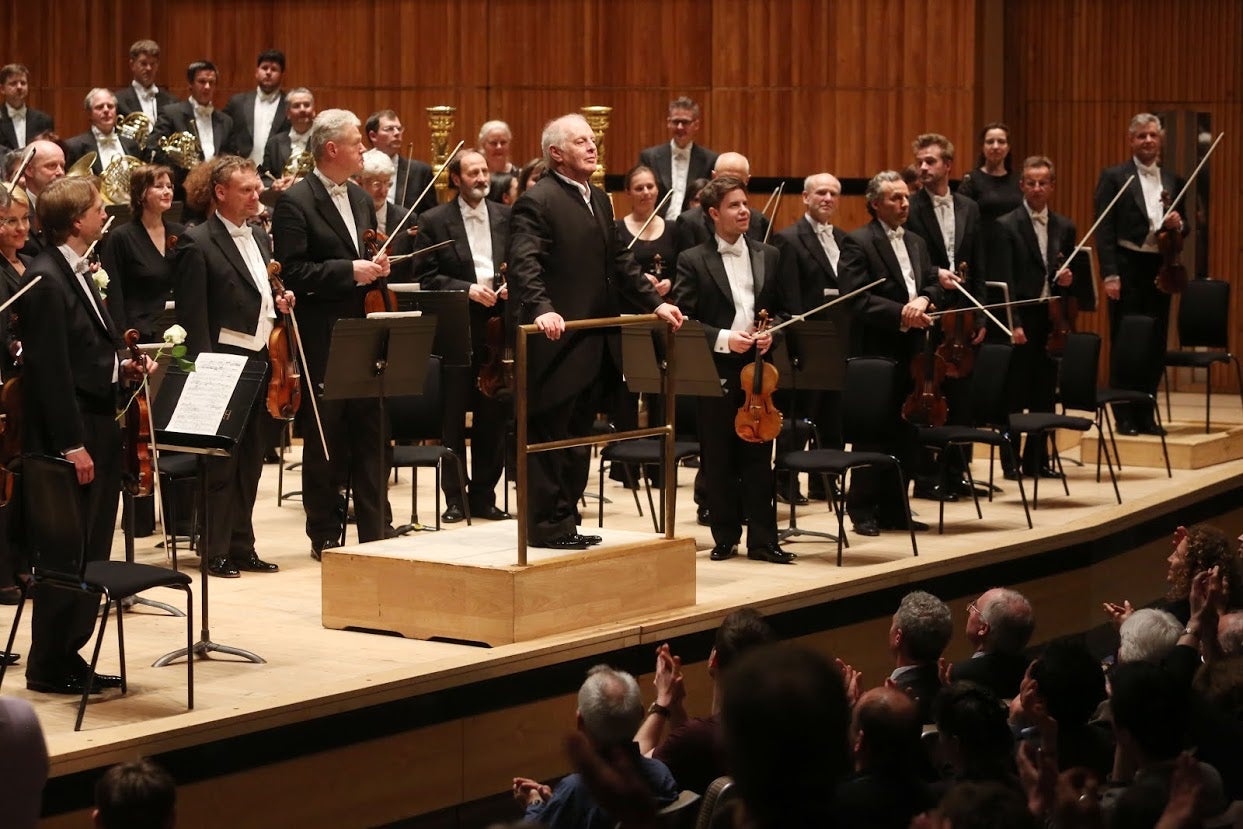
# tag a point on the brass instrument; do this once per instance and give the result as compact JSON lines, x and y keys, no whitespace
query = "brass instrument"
{"x":135,"y":126}
{"x":299,"y":165}
{"x":114,"y":183}
{"x":82,"y":167}
{"x":182,"y":148}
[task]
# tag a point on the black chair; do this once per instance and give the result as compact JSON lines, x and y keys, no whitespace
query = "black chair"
{"x":416,"y":418}
{"x":869,"y":404}
{"x":988,"y":400}
{"x":54,"y":538}
{"x":715,"y":802}
{"x":802,"y":431}
{"x":640,"y":455}
{"x":179,"y":475}
{"x":1076,"y":380}
{"x":1203,"y":322}
{"x":1129,"y":363}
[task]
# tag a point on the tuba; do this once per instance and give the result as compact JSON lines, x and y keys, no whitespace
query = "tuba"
{"x":114,"y":183}
{"x":135,"y":126}
{"x":299,"y":165}
{"x":182,"y":148}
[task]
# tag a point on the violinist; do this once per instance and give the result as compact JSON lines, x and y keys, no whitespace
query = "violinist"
{"x":694,"y":227}
{"x":1033,"y":241}
{"x":480,"y":231}
{"x":374,"y":177}
{"x":724,"y":283}
{"x":318,"y":228}
{"x":70,"y":373}
{"x":1126,"y":246}
{"x":889,"y":321}
{"x":14,"y":227}
{"x":226,"y":306}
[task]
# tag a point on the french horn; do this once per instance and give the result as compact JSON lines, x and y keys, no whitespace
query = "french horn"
{"x":114,"y":183}
{"x":182,"y":148}
{"x":82,"y":167}
{"x":298,"y":165}
{"x":135,"y":126}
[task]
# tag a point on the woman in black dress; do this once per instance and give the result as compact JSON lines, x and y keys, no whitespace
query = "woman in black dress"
{"x":995,"y":188}
{"x":14,"y":230}
{"x":140,"y":279}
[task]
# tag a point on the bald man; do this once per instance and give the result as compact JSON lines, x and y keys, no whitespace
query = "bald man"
{"x":47,"y":165}
{"x":886,"y":789}
{"x":694,"y":226}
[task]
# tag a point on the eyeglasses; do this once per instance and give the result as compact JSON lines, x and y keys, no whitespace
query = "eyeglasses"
{"x":14,"y":221}
{"x":392,"y":128}
{"x":681,"y":122}
{"x":971,"y":608}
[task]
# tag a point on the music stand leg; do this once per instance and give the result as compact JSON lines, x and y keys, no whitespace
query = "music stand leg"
{"x":205,"y":645}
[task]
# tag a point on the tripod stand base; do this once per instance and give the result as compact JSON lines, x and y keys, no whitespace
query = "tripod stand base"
{"x":417,"y":526}
{"x":206,"y":646}
{"x":794,"y":532}
{"x":129,"y":602}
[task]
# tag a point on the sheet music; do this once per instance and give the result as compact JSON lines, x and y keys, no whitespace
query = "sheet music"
{"x":393,"y":315}
{"x":206,"y":394}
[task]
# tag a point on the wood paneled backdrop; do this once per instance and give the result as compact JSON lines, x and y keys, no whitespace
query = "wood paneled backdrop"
{"x":798,"y":85}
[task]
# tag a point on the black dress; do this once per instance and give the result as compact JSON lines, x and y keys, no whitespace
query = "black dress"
{"x":646,"y":251}
{"x":996,"y":196}
{"x":140,"y":278}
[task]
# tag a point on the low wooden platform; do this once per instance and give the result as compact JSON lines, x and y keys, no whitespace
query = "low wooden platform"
{"x":1190,"y":447}
{"x":467,"y":587}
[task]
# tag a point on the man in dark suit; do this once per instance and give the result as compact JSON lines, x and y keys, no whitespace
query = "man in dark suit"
{"x":259,"y":113}
{"x":694,"y":226}
{"x":815,"y":246}
{"x":19,"y":124}
{"x":999,"y":625}
{"x":889,"y":322}
{"x":479,"y":229}
{"x":724,"y":284}
{"x":1031,"y":248}
{"x":102,"y":138}
{"x":317,"y":229}
{"x":918,"y":634}
{"x":299,"y":115}
{"x":1126,"y":246}
{"x":384,"y":133}
{"x":681,"y":161}
{"x":70,"y":375}
{"x":197,"y":116}
{"x":46,"y":167}
{"x":142,"y":95}
{"x":226,"y":305}
{"x":566,"y":262}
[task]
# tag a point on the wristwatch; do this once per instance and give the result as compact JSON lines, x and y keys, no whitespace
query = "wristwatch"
{"x":657,"y":708}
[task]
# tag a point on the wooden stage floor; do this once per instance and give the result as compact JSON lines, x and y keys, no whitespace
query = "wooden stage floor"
{"x":312,"y":672}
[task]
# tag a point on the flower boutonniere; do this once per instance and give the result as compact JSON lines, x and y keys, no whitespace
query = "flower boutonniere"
{"x":100,"y":277}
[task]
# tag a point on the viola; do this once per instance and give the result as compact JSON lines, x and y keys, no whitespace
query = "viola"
{"x":758,"y":419}
{"x":1063,"y":309}
{"x":1172,"y":275}
{"x":926,"y":405}
{"x":285,"y":381}
{"x":496,"y":375}
{"x":956,"y":332}
{"x":378,"y":297}
{"x":140,"y":477}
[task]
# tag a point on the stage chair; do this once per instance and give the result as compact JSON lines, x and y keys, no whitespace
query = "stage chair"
{"x":637,"y":456}
{"x":1129,"y":362}
{"x":716,"y":798}
{"x":1203,"y":322}
{"x":55,"y":544}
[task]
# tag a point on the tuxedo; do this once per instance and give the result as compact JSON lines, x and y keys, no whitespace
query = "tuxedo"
{"x":276,"y":155}
{"x":317,"y":253}
{"x":84,"y":142}
{"x":453,"y":269}
{"x":217,"y":294}
{"x":998,"y":671}
{"x":735,"y":471}
{"x":567,"y":258}
{"x":70,"y":400}
{"x":411,"y":184}
{"x":179,"y":117}
{"x":868,"y":255}
{"x":127,"y":100}
{"x":660,"y":160}
{"x":241,"y":108}
{"x":694,"y":227}
{"x":37,"y":122}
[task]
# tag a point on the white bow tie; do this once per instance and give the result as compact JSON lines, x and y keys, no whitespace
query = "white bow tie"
{"x":335,"y":190}
{"x":202,"y":111}
{"x":478,"y":214}
{"x":82,"y":267}
{"x":896,"y":234}
{"x":110,"y":138}
{"x":149,"y":94}
{"x":943,"y":201}
{"x":1041,"y":218}
{"x":17,"y":113}
{"x":269,"y":97}
{"x":1152,"y":171}
{"x":824,"y":231}
{"x":726,"y":249}
{"x":682,"y":155}
{"x":241,"y":233}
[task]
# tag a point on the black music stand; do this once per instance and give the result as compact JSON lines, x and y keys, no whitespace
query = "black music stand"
{"x":451,"y":310}
{"x":382,"y":355}
{"x":220,"y":443}
{"x":812,"y":357}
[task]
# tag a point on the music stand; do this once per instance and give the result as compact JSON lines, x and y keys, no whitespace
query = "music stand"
{"x":812,"y":356}
{"x":382,"y":355}
{"x":451,"y":309}
{"x":220,"y":443}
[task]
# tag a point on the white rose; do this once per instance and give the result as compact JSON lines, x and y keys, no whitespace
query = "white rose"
{"x":175,"y":335}
{"x":101,"y":280}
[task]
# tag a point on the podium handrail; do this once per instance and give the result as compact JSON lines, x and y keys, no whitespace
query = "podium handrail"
{"x":520,"y":417}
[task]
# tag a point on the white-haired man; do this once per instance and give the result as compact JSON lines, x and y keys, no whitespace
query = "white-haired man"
{"x":102,"y":138}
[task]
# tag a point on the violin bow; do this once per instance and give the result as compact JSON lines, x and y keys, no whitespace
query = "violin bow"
{"x":107,"y":226}
{"x":297,"y":338}
{"x":34,"y":280}
{"x":1012,"y":304}
{"x":402,"y":256}
{"x":774,"y":201}
{"x":819,"y":308}
{"x":963,"y":290}
{"x":444,"y":167}
{"x":659,"y":207}
{"x":21,"y":168}
{"x":405,"y":181}
{"x":1083,"y":243}
{"x":1190,"y":179}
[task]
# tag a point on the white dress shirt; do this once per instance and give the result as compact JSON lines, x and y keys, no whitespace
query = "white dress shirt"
{"x":297,"y":143}
{"x":944,"y":208}
{"x":898,"y":243}
{"x":677,"y":177}
{"x":479,"y":237}
{"x":146,"y":99}
{"x":1040,"y":224}
{"x":737,"y":261}
{"x":109,"y":147}
{"x":82,"y":271}
{"x":18,"y":117}
{"x":824,"y":232}
{"x":1150,"y":183}
{"x":266,"y":107}
{"x":202,"y":124}
{"x":341,"y":198}
{"x":244,"y":238}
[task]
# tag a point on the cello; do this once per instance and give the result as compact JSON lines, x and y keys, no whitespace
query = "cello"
{"x":758,"y":419}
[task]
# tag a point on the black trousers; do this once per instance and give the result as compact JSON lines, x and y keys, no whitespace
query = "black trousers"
{"x":1033,"y":374}
{"x":63,"y":620}
{"x":1140,"y":296}
{"x":556,"y":480}
{"x":233,"y":485}
{"x":358,"y":444}
{"x":487,"y":441}
{"x":738,"y":475}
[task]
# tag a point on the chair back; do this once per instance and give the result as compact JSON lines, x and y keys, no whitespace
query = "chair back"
{"x":989,"y":399}
{"x":52,"y":507}
{"x":869,"y":401}
{"x":1133,"y":352}
{"x":1076,"y":378}
{"x":716,"y":799}
{"x":1204,"y":315}
{"x":681,"y":813}
{"x":419,"y":417}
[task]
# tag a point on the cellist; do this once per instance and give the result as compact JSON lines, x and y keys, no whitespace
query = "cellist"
{"x":226,"y":306}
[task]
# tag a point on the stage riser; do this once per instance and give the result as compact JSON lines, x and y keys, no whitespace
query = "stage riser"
{"x":1188,"y":444}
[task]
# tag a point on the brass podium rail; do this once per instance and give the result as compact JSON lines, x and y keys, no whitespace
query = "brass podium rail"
{"x":520,"y":417}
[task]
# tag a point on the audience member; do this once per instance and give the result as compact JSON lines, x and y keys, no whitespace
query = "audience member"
{"x":999,"y":625}
{"x":136,"y":795}
{"x":23,"y":764}
{"x":1148,"y":635}
{"x":1066,"y":685}
{"x":974,"y":740}
{"x":920,"y":630}
{"x":983,"y":805}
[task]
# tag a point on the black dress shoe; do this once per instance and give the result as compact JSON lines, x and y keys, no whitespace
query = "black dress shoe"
{"x":318,"y":547}
{"x":453,"y":514}
{"x":253,"y":564}
{"x":223,"y":567}
{"x":1010,"y":475}
{"x":703,"y":517}
{"x":492,"y":513}
{"x":867,"y":526}
{"x":723,"y":551}
{"x":105,"y":681}
{"x":1126,"y":427}
{"x":589,"y":540}
{"x":773,"y":554}
{"x":933,"y":492}
{"x":71,"y":686}
{"x":799,"y":498}
{"x":1152,"y":429}
{"x":569,"y":541}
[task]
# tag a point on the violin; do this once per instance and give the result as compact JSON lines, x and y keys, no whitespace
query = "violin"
{"x":285,"y":381}
{"x":956,"y":330}
{"x":378,"y":297}
{"x":140,"y":478}
{"x":496,"y":375}
{"x":1172,"y":275}
{"x":926,"y":405}
{"x":1063,"y":309}
{"x":758,"y":419}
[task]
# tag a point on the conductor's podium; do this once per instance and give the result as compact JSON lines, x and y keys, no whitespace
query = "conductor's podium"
{"x":464,"y":584}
